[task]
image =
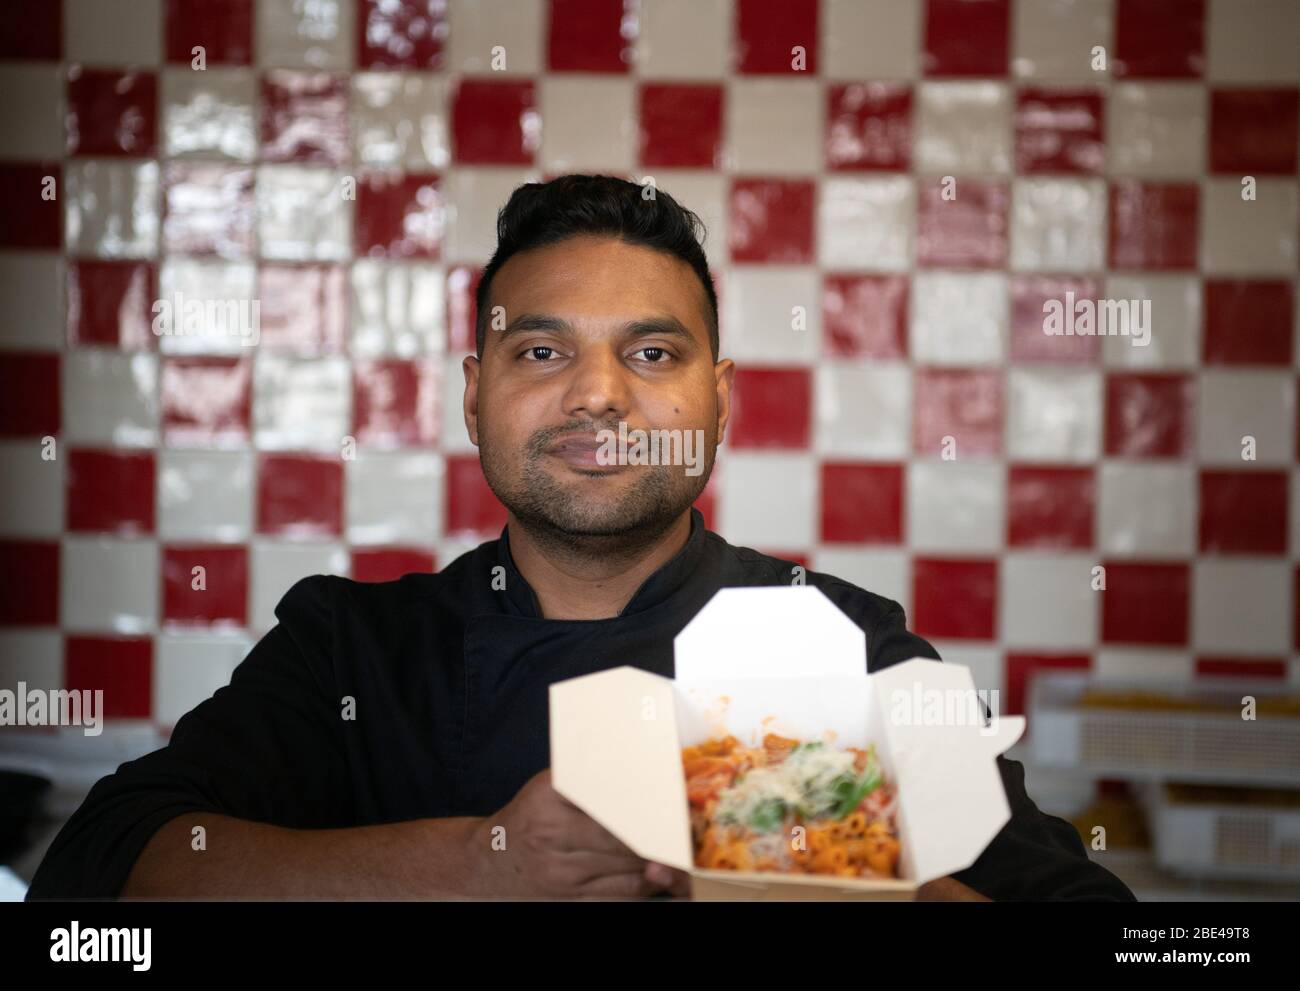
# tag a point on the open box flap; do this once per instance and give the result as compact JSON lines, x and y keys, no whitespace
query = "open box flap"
{"x":615,"y":754}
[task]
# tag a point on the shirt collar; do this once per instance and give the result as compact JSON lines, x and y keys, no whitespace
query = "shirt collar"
{"x":654,"y":590}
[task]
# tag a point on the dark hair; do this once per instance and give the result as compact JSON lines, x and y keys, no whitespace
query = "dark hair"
{"x":542,"y":213}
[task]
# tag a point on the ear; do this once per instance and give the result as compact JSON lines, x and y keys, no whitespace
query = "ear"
{"x":724,"y":373}
{"x":471,"y":367}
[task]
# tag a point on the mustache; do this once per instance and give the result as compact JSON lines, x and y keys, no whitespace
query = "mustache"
{"x":544,"y":438}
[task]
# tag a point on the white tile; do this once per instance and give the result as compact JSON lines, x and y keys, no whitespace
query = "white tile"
{"x":684,"y":39}
{"x":398,"y":308}
{"x":205,"y":495}
{"x":987,"y":668}
{"x":1256,"y":237}
{"x":882,"y":571}
{"x":1058,"y":225}
{"x":1174,"y":337}
{"x":110,"y":398}
{"x":773,"y":126}
{"x":755,"y":513}
{"x":31,"y":498}
{"x":303,"y":213}
{"x":32,"y":656}
{"x":955,"y":507}
{"x":958,"y":318}
{"x":1146,"y":509}
{"x":476,"y":27}
{"x":589,"y":123}
{"x":1156,"y":130}
{"x":394,"y":497}
{"x":32,"y":114}
{"x":1257,"y":45}
{"x":962,"y":128}
{"x":108,"y":585}
{"x":1249,"y":402}
{"x":1152,"y":664}
{"x":864,"y":410}
{"x":111,"y":208}
{"x":113,"y":32}
{"x":760,"y":318}
{"x":209,"y":114}
{"x":213,"y":284}
{"x":866,"y":223}
{"x":301,"y":404}
{"x":187,"y":670}
{"x":1052,"y":40}
{"x":1241,"y":605}
{"x":275,"y":567}
{"x":474,"y":196}
{"x":32,"y":286}
{"x":1047,"y":601}
{"x":1053,"y":415}
{"x":704,"y":193}
{"x":871,"y":39}
{"x":305,"y":34}
{"x":399,"y":120}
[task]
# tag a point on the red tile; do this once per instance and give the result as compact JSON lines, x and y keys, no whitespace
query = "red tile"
{"x":1060,"y":131}
{"x":299,"y":495}
{"x":462,"y":312}
{"x":208,"y":209}
{"x":767,"y":30}
{"x":967,"y":37}
{"x":865,"y":316}
{"x":29,"y":395}
{"x":395,"y":403}
{"x":1241,"y":667}
{"x":1243,"y":512}
{"x":588,"y":36}
{"x":494,"y":122}
{"x":954,"y":599}
{"x":1153,"y":225}
{"x":207,"y":402}
{"x":120,"y":667}
{"x":29,"y":583}
{"x":304,"y":117}
{"x":111,"y":303}
{"x":386,"y":564}
{"x":1146,"y":603}
{"x":1248,"y":322}
{"x":31,"y":210}
{"x":963,"y":403}
{"x":406,"y":34}
{"x":1253,"y":131}
{"x":1159,"y":38}
{"x":215,"y":596}
{"x":869,"y":126}
{"x":303,"y":307}
{"x":771,"y":220}
{"x":222,"y":28}
{"x":681,"y":125}
{"x":32,"y":29}
{"x":399,"y":216}
{"x":112,"y":112}
{"x":111,"y":491}
{"x":1149,"y":415}
{"x":1020,"y":672}
{"x":1050,"y":508}
{"x":1029,"y":339}
{"x":967,"y":232}
{"x":862,"y":503}
{"x":472,"y":508}
{"x":771,"y":408}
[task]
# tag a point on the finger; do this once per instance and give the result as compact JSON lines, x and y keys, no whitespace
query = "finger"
{"x":584,"y":866}
{"x":577,"y":831}
{"x":630,"y":885}
{"x":668,"y":878}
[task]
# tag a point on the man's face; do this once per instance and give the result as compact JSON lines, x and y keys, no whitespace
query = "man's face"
{"x":597,"y":333}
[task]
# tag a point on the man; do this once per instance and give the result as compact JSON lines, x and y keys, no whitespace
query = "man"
{"x":379,"y":739}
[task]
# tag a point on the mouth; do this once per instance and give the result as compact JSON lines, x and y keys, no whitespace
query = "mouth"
{"x":581,"y":452}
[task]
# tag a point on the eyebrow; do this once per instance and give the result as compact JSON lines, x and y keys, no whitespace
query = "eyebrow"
{"x":644,"y":327}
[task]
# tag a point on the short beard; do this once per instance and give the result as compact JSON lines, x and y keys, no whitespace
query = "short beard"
{"x":555,"y":520}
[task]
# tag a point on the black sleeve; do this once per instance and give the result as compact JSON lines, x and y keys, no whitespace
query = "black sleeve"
{"x":268,"y":747}
{"x":1035,"y":856}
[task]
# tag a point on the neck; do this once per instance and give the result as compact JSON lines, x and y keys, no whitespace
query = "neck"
{"x":592,"y":578}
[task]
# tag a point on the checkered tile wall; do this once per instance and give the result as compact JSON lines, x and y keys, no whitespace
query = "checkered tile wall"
{"x":1092,"y":146}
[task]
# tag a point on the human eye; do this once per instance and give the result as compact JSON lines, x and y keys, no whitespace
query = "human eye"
{"x":538,"y":352}
{"x":654,"y":355}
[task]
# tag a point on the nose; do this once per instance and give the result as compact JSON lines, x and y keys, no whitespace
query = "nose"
{"x":598,"y":387}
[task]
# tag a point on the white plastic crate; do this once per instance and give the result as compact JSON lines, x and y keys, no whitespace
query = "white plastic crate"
{"x":1224,"y":839}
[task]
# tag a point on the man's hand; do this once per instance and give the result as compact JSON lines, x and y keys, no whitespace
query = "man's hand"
{"x":946,"y":889}
{"x":542,"y":845}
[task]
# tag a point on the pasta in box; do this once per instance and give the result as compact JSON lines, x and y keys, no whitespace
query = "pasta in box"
{"x":774,"y":767}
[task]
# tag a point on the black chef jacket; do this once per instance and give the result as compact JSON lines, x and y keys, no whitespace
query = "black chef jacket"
{"x":449,"y":676}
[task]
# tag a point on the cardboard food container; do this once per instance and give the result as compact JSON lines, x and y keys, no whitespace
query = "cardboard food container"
{"x":782,"y":660}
